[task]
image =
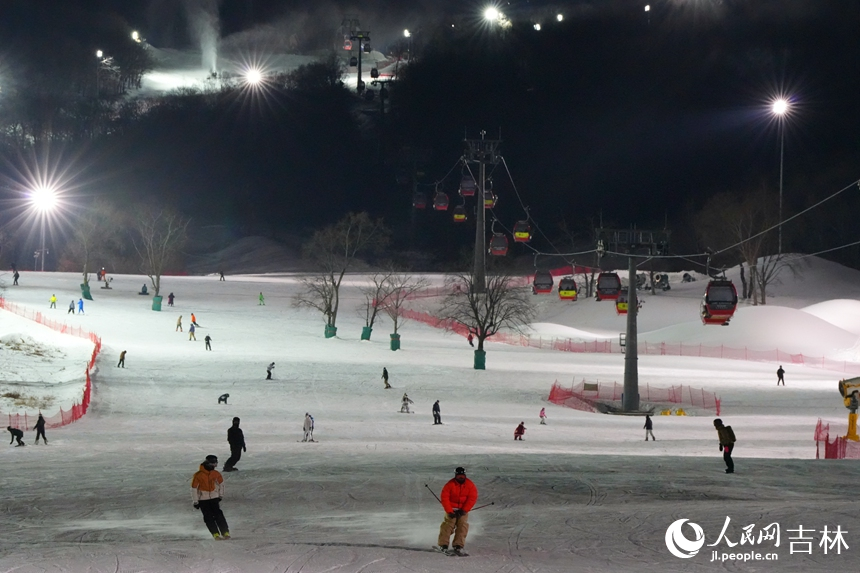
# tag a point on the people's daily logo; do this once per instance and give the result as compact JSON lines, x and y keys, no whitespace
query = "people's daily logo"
{"x":677,"y":542}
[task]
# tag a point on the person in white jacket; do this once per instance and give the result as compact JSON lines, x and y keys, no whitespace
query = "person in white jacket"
{"x":308,"y":428}
{"x":404,"y":404}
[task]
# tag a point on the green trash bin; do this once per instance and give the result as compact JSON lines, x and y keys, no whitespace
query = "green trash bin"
{"x":395,"y":341}
{"x":480,"y":360}
{"x":156,"y":303}
{"x":365,"y":332}
{"x":330,"y":331}
{"x":85,"y":291}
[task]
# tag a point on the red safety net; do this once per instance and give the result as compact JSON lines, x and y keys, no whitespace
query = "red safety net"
{"x":840,"y":448}
{"x":587,"y":392}
{"x":77,"y":410}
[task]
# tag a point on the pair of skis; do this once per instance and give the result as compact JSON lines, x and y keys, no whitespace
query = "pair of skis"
{"x":451,"y":552}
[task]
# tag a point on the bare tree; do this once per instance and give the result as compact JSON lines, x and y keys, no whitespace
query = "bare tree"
{"x":96,"y":233}
{"x":398,"y":289}
{"x":373,"y":294}
{"x":161,"y":234}
{"x":740,"y":219}
{"x":335,"y":250}
{"x":484,"y":314}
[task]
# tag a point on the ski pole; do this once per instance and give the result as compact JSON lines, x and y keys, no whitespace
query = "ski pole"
{"x":485,"y":505}
{"x":431,"y":491}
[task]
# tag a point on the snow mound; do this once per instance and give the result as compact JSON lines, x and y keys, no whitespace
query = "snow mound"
{"x":843,"y":313}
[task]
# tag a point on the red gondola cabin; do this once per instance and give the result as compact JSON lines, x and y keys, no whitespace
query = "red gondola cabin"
{"x":419,"y":200}
{"x":522,"y":232}
{"x":567,"y":289}
{"x":468,"y":186}
{"x":542,"y":283}
{"x":440,"y":201}
{"x":719,"y":302}
{"x":499,"y":245}
{"x":608,"y":286}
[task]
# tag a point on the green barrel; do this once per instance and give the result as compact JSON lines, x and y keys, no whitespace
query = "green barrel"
{"x":480,"y":360}
{"x":395,"y":341}
{"x":156,"y":303}
{"x":85,"y":291}
{"x":365,"y":332}
{"x":330,"y":331}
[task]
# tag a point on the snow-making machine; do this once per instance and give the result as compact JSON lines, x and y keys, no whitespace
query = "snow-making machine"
{"x":849,"y":390}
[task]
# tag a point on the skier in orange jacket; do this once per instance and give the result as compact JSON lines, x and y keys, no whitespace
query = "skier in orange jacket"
{"x":207,"y":490}
{"x":458,"y":498}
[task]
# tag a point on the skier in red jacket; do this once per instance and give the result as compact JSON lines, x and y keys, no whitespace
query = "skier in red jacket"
{"x":458,"y":498}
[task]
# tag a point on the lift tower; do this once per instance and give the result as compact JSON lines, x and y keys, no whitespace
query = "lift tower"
{"x":482,"y":152}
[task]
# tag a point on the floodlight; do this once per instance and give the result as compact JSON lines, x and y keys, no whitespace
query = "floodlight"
{"x":780,"y":107}
{"x":43,"y":198}
{"x":491,"y":14}
{"x":647,"y":7}
{"x":560,"y":17}
{"x":407,"y":33}
{"x":537,"y":27}
{"x":253,"y":76}
{"x":99,"y":53}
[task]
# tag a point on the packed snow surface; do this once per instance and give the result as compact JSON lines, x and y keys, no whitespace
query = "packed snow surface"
{"x":585,"y":492}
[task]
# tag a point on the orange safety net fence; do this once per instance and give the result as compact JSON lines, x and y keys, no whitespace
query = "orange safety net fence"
{"x":580,"y":396}
{"x":78,"y":409}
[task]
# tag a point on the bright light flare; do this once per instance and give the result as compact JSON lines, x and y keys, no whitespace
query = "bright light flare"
{"x":560,"y":17}
{"x":537,"y":27}
{"x":253,"y":77}
{"x":99,"y":53}
{"x":780,"y":107}
{"x":44,"y":199}
{"x":407,"y":33}
{"x":135,"y":36}
{"x":647,"y":7}
{"x":491,"y":14}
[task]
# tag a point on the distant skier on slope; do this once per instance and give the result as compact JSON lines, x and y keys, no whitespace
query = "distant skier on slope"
{"x":308,"y":428}
{"x":236,"y":439}
{"x":404,"y":404}
{"x":519,"y":431}
{"x":269,"y":369}
{"x":385,"y":377}
{"x":40,"y":429}
{"x":16,"y":435}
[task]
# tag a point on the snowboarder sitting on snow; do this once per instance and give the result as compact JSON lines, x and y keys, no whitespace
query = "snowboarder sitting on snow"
{"x":521,"y":429}
{"x":458,"y":498}
{"x":143,"y":290}
{"x":207,"y":490}
{"x":16,"y":435}
{"x":404,"y":404}
{"x":222,"y":399}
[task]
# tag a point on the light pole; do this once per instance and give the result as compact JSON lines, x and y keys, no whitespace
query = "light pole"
{"x":43,"y":200}
{"x":780,"y":109}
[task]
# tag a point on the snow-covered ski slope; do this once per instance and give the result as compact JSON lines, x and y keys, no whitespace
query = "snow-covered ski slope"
{"x":586,"y":492}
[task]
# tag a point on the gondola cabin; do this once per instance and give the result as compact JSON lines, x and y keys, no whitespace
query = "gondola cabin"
{"x":460,"y":214}
{"x":542,"y":283}
{"x":522,"y":232}
{"x":608,"y":286}
{"x":567,"y":289}
{"x":468,"y":186}
{"x":440,"y":201}
{"x":489,"y":200}
{"x":621,"y":303}
{"x":719,"y":302}
{"x":499,"y":245}
{"x":419,"y":200}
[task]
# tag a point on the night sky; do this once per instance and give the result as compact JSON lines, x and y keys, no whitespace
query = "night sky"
{"x":636,"y":117}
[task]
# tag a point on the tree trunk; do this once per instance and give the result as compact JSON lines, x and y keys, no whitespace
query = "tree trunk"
{"x":754,"y":284}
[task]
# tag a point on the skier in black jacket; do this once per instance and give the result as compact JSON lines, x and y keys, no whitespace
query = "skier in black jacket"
{"x":236,"y":439}
{"x":16,"y":435}
{"x":40,"y":429}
